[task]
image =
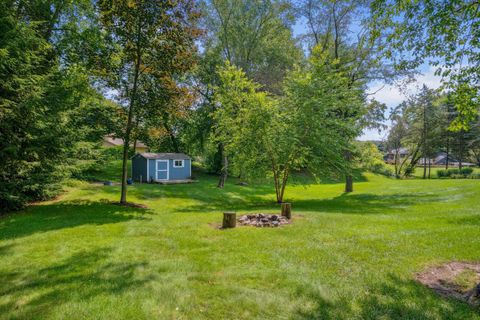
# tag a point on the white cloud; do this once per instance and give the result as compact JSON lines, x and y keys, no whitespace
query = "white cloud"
{"x":393,"y":95}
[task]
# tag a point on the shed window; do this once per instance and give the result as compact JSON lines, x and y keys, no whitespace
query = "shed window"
{"x":178,"y":163}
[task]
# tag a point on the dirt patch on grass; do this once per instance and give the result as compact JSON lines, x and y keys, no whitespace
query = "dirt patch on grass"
{"x":459,"y":280}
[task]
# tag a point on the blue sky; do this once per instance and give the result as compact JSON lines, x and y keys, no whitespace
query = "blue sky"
{"x":391,"y":95}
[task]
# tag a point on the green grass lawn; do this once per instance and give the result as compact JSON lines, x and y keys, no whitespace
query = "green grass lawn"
{"x":345,"y":256}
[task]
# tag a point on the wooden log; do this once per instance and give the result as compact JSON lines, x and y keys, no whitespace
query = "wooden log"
{"x":229,"y":220}
{"x":287,"y":210}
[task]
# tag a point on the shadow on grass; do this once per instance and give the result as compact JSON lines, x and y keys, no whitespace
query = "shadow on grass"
{"x":365,"y":203}
{"x":68,"y":214}
{"x":80,"y":277}
{"x":234,"y":198}
{"x":394,"y":298}
{"x":473,"y":220}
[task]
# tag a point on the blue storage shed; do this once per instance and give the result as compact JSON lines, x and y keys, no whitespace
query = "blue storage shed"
{"x":158,"y":167}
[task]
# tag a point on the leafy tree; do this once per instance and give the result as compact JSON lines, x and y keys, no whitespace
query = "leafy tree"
{"x":242,"y":115}
{"x":474,"y":143}
{"x":299,"y":131}
{"x":42,"y":90}
{"x":368,"y":157}
{"x":153,"y":39}
{"x":327,"y":107}
{"x":337,"y":28}
{"x":443,"y":33}
{"x":253,"y":35}
{"x":417,"y":128}
{"x":396,"y":136}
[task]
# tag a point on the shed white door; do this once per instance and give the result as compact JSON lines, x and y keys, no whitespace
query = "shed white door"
{"x":162,"y":169}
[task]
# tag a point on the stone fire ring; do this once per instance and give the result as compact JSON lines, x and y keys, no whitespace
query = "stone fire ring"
{"x":261,"y":220}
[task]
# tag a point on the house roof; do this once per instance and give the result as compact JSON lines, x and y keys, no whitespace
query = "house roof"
{"x":400,"y":151}
{"x":119,"y":141}
{"x":165,"y":156}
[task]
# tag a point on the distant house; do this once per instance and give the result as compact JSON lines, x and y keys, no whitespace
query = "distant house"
{"x":441,"y":160}
{"x":158,"y":167}
{"x":111,"y":141}
{"x":400,"y":153}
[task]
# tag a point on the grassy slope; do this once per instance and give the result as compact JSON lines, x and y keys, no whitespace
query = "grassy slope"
{"x":346,"y":256}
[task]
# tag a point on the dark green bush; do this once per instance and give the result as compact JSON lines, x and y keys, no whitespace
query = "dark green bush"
{"x":456,"y":173}
{"x":112,"y":153}
{"x":442,"y":173}
{"x":466,"y":171}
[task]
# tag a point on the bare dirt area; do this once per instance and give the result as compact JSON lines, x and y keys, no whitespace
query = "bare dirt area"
{"x":459,"y":280}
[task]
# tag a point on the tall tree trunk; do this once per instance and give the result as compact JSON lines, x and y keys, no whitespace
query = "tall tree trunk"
{"x":424,"y":142}
{"x":348,"y":177}
{"x":460,"y":158}
{"x":174,"y":143}
{"x":397,"y":164}
{"x":284,"y":184}
{"x":126,"y":140}
{"x":276,"y":181}
{"x":448,"y":154}
{"x":429,"y":167}
{"x":349,"y":183}
{"x":173,"y":140}
{"x":224,"y":174}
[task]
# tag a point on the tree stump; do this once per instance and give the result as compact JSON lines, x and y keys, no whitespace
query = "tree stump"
{"x":287,"y":210}
{"x":229,"y":220}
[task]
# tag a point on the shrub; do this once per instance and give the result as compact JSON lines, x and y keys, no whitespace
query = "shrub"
{"x":369,"y":158}
{"x":442,"y":173}
{"x":466,"y":171}
{"x":112,"y":153}
{"x":452,"y":172}
{"x":457,"y":173}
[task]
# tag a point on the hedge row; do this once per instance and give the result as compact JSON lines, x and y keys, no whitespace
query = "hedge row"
{"x":458,"y":173}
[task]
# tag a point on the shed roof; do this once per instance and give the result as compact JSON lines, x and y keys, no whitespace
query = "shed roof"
{"x":165,"y":156}
{"x":119,"y":141}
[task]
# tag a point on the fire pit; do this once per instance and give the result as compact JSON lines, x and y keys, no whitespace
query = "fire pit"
{"x":263,"y":220}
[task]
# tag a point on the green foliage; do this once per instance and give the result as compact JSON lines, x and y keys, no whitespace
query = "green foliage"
{"x":242,"y":119}
{"x":306,"y":129}
{"x":47,"y":102}
{"x":466,"y":171}
{"x":418,"y":126}
{"x":442,"y":173}
{"x":38,"y":99}
{"x":252,"y":35}
{"x":443,"y":33}
{"x":456,"y":173}
{"x":371,"y":159}
{"x":152,"y":47}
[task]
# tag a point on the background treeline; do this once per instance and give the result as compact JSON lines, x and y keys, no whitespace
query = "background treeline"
{"x":422,"y":129}
{"x":223,"y":80}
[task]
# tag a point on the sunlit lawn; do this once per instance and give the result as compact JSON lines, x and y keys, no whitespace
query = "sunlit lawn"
{"x":344,"y":256}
